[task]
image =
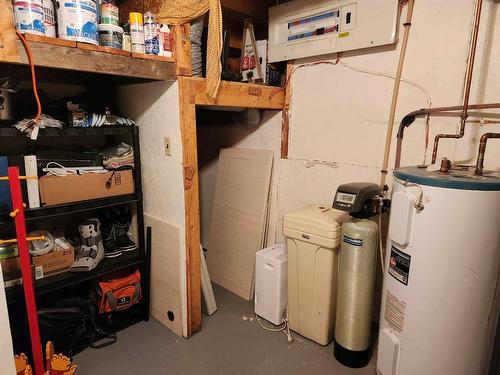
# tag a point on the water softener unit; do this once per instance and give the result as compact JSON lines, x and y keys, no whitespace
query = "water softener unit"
{"x":356,"y":274}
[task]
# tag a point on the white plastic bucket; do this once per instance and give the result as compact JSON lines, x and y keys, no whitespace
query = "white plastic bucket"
{"x":109,"y":14}
{"x":49,"y":18}
{"x":29,"y":16}
{"x":110,"y":36}
{"x":77,"y":20}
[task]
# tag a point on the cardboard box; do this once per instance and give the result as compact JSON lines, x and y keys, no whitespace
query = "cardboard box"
{"x":75,"y":188}
{"x":57,"y":261}
{"x":11,"y":270}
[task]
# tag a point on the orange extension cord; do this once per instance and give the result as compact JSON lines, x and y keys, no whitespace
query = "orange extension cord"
{"x":33,"y":76}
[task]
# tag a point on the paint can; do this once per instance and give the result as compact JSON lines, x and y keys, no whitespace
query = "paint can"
{"x":151,"y":35}
{"x":77,"y":20}
{"x":29,"y":16}
{"x":109,"y":14}
{"x":136,"y":32}
{"x":110,"y":36}
{"x":49,"y":18}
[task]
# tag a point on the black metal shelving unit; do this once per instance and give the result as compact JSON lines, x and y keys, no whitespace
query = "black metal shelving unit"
{"x":66,"y":282}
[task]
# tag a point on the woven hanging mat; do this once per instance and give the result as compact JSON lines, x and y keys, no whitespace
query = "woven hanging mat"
{"x":176,"y":12}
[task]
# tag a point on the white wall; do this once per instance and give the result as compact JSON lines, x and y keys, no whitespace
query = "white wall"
{"x":338,"y":117}
{"x":6,"y":349}
{"x":155,"y":108}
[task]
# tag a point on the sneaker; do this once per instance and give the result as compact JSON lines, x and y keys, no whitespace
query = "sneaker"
{"x":122,"y":217}
{"x":91,"y":251}
{"x":111,"y":248}
{"x":120,"y":156}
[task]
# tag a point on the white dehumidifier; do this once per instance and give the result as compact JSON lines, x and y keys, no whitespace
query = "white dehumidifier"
{"x":271,"y":284}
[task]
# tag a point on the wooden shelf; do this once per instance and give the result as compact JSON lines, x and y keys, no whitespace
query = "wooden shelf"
{"x":54,"y":53}
{"x":238,"y":94}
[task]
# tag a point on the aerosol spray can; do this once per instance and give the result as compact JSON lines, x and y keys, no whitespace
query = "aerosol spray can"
{"x":136,"y":32}
{"x":151,"y":37}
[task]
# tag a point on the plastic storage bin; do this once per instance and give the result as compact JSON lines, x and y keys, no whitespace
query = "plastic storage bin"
{"x":270,"y":283}
{"x":313,"y":237}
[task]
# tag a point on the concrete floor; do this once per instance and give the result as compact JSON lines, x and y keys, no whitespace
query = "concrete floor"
{"x":227,"y":344}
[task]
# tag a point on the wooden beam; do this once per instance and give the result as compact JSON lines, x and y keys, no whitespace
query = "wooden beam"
{"x":238,"y":94}
{"x":192,"y":204}
{"x":93,"y":60}
{"x":182,"y":49}
{"x":8,"y":38}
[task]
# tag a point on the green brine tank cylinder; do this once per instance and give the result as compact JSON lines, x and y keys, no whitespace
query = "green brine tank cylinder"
{"x":356,"y":284}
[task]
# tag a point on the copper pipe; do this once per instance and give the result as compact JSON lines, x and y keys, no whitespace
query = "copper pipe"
{"x":437,"y":111}
{"x":482,"y":150}
{"x":467,"y":85}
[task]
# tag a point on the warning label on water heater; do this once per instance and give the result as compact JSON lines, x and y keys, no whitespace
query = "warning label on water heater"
{"x":399,"y":265}
{"x":395,"y":310}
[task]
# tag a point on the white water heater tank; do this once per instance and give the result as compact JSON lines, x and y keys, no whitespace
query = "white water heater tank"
{"x":440,"y":300}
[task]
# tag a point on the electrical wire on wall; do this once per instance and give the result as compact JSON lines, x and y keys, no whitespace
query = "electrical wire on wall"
{"x":342,"y":62}
{"x":32,"y":126}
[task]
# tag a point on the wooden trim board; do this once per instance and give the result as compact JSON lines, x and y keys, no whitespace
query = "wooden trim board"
{"x":209,"y":304}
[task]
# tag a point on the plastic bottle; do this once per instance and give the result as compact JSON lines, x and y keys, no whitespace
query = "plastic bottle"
{"x":151,"y":37}
{"x":126,"y":43}
{"x":136,"y":32}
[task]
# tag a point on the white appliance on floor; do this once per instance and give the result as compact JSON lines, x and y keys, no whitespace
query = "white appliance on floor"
{"x":271,"y":283}
{"x":440,"y":300}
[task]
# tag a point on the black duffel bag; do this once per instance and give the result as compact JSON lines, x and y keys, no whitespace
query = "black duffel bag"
{"x":70,"y":325}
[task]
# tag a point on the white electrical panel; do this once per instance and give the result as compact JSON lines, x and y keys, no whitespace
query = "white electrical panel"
{"x":304,"y":28}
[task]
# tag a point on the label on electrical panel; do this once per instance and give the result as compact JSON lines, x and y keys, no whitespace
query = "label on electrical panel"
{"x":399,"y":265}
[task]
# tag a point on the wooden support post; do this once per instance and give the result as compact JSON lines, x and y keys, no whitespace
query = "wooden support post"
{"x":182,"y":49}
{"x":8,"y":38}
{"x":192,"y":204}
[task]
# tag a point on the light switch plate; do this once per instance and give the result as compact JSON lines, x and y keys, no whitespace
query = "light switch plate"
{"x":168,"y":146}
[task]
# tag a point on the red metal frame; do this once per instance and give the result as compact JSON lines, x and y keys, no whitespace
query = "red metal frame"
{"x":29,"y":290}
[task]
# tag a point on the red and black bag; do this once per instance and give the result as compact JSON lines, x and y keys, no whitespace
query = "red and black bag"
{"x":118,"y":292}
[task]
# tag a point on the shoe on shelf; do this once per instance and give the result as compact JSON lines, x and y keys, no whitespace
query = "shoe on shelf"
{"x":122,"y":218}
{"x":91,"y":250}
{"x":111,"y":248}
{"x":119,"y":156}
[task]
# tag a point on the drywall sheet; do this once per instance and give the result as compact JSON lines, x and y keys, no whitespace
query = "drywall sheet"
{"x":6,"y":349}
{"x":165,"y":274}
{"x":238,"y":217}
